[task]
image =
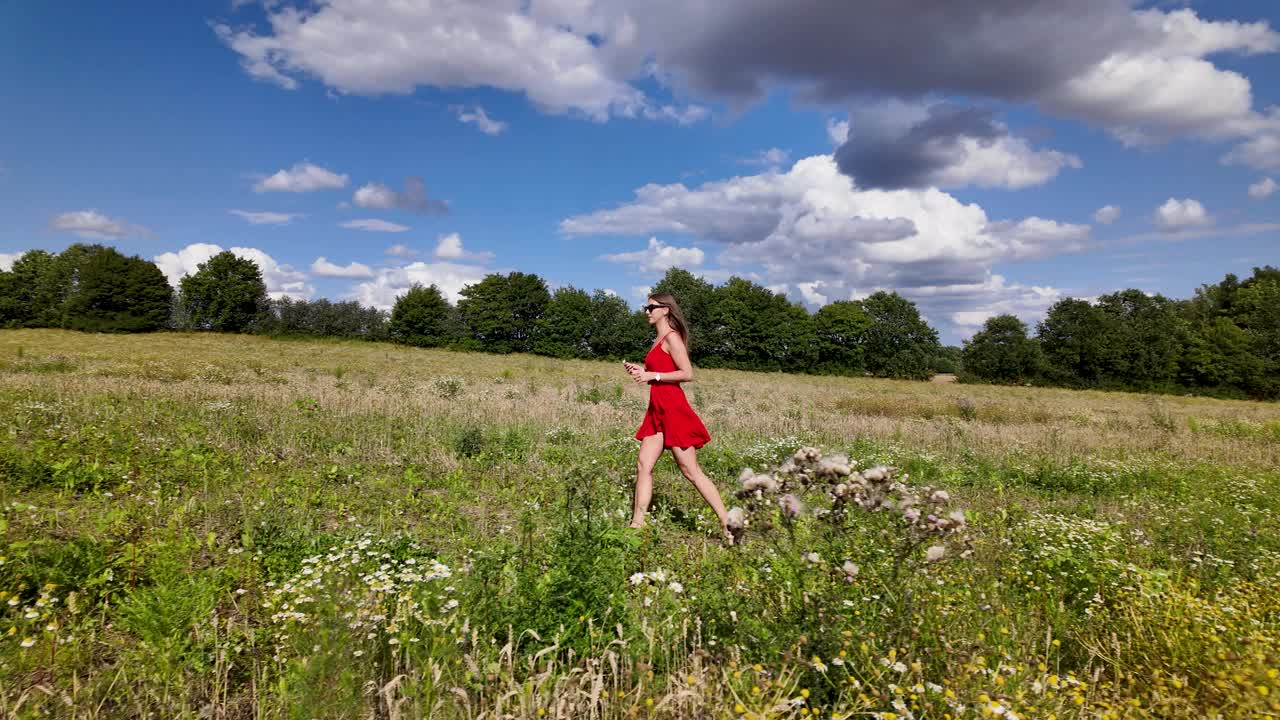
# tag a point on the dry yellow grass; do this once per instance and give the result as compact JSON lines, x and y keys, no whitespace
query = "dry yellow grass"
{"x":262,"y":376}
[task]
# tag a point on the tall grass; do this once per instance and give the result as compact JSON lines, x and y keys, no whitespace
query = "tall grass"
{"x":223,"y":526}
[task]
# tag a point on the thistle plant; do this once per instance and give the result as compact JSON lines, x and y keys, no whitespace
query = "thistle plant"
{"x":924,"y":514}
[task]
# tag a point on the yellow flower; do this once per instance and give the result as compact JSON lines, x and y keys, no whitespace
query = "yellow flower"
{"x":739,"y":708}
{"x":804,"y":692}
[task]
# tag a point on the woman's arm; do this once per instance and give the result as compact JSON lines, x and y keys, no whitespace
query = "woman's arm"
{"x":680,"y":354}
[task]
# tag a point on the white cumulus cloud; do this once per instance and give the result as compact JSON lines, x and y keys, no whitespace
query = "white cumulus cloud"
{"x":281,"y":280}
{"x":375,"y":225}
{"x":813,"y":230}
{"x":449,"y":247}
{"x":322,"y":267}
{"x":302,"y":177}
{"x":372,"y":47}
{"x":772,"y":157}
{"x":1263,"y":188}
{"x":478,"y":117}
{"x":412,"y":199}
{"x":895,"y":144}
{"x":658,"y":257}
{"x":1175,"y":215}
{"x":389,"y":283}
{"x":1106,"y":214}
{"x":95,"y":225}
{"x":8,"y":259}
{"x":265,"y":218}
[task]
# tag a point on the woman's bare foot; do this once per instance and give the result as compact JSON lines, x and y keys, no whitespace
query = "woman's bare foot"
{"x":635,"y":525}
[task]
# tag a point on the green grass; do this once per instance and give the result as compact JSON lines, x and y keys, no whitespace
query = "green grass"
{"x":219,"y":526}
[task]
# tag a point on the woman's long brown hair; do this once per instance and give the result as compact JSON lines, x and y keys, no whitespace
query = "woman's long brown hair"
{"x":674,"y":317}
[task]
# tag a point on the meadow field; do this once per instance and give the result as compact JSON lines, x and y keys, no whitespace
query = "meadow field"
{"x":224,"y":526}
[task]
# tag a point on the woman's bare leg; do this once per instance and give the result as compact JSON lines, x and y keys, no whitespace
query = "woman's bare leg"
{"x":687,"y":460}
{"x":650,"y":451}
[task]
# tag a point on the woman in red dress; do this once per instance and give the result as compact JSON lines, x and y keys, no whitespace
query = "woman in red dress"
{"x":669,"y":422}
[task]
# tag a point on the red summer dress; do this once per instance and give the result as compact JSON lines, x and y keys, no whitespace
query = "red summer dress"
{"x":669,"y":412}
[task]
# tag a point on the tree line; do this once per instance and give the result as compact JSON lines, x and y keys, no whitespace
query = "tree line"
{"x":1225,"y":340}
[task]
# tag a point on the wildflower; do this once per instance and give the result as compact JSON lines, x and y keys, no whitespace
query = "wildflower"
{"x":28,"y":642}
{"x":875,"y":474}
{"x":899,"y":667}
{"x":791,"y":506}
{"x":935,"y":553}
{"x":813,"y":557}
{"x":736,"y":519}
{"x":637,"y":578}
{"x":850,"y":570}
{"x":675,"y":587}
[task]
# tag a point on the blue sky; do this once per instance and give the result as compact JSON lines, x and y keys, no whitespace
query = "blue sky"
{"x":961,"y":161}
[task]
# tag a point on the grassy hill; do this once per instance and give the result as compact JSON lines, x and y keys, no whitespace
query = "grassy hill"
{"x":234,"y":526}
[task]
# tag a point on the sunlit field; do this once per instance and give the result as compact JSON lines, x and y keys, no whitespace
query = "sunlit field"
{"x":214,"y":526}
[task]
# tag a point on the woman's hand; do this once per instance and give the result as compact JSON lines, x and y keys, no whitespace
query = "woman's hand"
{"x":632,"y":369}
{"x":643,"y":377}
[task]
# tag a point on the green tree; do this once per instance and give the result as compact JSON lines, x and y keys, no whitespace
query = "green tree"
{"x":564,"y":330}
{"x":28,"y":296}
{"x":898,"y":342}
{"x":1143,"y":338}
{"x":12,"y":310}
{"x":615,"y":332}
{"x":1074,"y":336}
{"x":697,"y":299}
{"x":1217,"y":354}
{"x":1001,"y":352}
{"x":420,"y":317}
{"x":839,"y":327}
{"x":1259,"y":316}
{"x":323,"y":318}
{"x":225,"y":294}
{"x":759,"y":329}
{"x":114,"y":293}
{"x":500,"y":313}
{"x":949,"y":359}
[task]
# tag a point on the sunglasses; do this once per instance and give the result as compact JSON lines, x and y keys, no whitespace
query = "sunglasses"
{"x":651,"y":308}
